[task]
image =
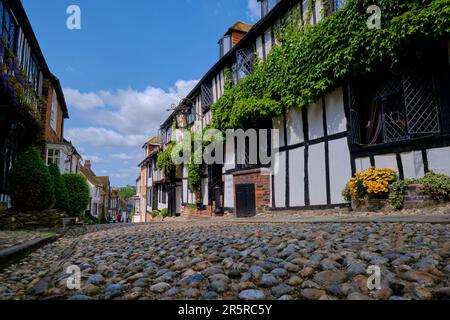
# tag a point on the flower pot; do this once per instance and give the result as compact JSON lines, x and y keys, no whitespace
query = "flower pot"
{"x":376,"y":202}
{"x":358,"y":205}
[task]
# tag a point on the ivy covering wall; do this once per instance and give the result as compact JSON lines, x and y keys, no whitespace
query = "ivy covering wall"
{"x":314,"y":59}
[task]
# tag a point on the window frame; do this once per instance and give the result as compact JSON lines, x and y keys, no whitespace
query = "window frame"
{"x":54,"y":111}
{"x":51,"y":159}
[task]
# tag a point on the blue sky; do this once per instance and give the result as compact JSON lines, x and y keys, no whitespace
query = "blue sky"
{"x":129,"y":62}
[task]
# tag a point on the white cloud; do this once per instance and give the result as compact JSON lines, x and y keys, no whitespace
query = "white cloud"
{"x":82,"y":101}
{"x":129,"y":111}
{"x":124,"y":117}
{"x":124,"y":156}
{"x":93,"y":158}
{"x":101,"y":137}
{"x":254,"y":10}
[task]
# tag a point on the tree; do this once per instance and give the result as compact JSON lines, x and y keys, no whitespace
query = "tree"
{"x":60,"y":189}
{"x":127,"y":192}
{"x":30,"y":183}
{"x":78,"y":190}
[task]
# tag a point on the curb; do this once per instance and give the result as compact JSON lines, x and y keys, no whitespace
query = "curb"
{"x":16,"y":253}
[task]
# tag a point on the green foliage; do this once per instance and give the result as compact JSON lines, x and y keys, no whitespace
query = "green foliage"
{"x":30,"y":183}
{"x":437,"y":186}
{"x":164,"y":161}
{"x":78,"y":190}
{"x":127,"y":192}
{"x":314,"y":59}
{"x":155,"y":213}
{"x":60,"y":189}
{"x":397,"y":194}
{"x":347,"y":193}
{"x":164,"y":212}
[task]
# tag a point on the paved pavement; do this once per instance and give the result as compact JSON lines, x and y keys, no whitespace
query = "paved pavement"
{"x":220,"y":259}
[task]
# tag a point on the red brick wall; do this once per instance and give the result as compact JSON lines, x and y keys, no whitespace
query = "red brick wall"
{"x":262,"y":186}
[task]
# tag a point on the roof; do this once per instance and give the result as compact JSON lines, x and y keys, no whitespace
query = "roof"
{"x":89,"y":175}
{"x":75,"y":151}
{"x":255,"y":31}
{"x":104,"y":182}
{"x":60,"y":94}
{"x":240,"y":27}
{"x":153,"y":141}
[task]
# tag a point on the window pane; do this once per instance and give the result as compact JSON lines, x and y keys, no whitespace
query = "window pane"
{"x":1,"y":17}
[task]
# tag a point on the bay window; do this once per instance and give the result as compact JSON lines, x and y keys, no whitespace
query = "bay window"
{"x":53,"y":156}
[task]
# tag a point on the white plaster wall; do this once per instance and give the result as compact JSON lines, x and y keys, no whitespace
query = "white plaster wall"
{"x":388,"y":161}
{"x":317,"y":176}
{"x":259,"y":49}
{"x":413,"y":167}
{"x":268,"y":40}
{"x":315,"y":120}
{"x":278,"y":124}
{"x":340,"y":168}
{"x":185,"y":192}
{"x":297,"y":177}
{"x":362,"y":164}
{"x":334,"y":104}
{"x":229,"y":155}
{"x":318,"y":11}
{"x":294,"y":126}
{"x":439,"y":160}
{"x":228,"y":191}
{"x":280,"y":179}
{"x":205,"y":192}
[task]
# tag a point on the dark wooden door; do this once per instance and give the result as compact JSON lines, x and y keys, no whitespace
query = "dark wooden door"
{"x":245,"y":200}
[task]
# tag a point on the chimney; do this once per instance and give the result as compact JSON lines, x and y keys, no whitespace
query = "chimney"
{"x":267,"y":5}
{"x":87,"y":165}
{"x":232,"y":37}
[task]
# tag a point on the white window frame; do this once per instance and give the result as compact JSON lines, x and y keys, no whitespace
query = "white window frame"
{"x":54,"y":111}
{"x":53,"y":158}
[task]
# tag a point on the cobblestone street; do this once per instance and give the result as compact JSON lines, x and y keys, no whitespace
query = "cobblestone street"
{"x":226,"y":260}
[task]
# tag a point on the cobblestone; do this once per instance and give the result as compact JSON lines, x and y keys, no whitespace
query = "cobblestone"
{"x":226,"y":260}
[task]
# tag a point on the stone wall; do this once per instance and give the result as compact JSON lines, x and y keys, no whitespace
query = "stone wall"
{"x":416,"y":197}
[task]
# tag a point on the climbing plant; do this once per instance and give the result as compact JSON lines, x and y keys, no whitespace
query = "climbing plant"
{"x":313,"y":59}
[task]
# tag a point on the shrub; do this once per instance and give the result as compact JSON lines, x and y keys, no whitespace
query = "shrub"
{"x":397,"y":194}
{"x":30,"y":183}
{"x":78,"y":193}
{"x":346,"y":193}
{"x":371,"y":181}
{"x":155,"y":213}
{"x":60,"y":189}
{"x":164,"y":212}
{"x":437,"y":186}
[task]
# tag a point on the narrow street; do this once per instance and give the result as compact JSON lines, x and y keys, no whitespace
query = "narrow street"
{"x":227,"y":260}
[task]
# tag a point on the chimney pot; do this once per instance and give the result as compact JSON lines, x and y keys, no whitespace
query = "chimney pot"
{"x":87,"y":164}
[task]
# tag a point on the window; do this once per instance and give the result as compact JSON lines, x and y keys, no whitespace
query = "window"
{"x":149,"y":196}
{"x":225,"y":45}
{"x":8,"y":28}
{"x":164,"y":194}
{"x":53,"y":156}
{"x":244,"y":64}
{"x":54,"y":111}
{"x":191,"y":115}
{"x":395,"y":108}
{"x":206,"y":96}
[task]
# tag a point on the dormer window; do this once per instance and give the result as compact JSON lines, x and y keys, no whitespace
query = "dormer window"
{"x":225,"y":45}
